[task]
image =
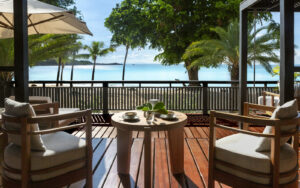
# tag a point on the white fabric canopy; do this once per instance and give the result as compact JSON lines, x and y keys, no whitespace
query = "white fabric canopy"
{"x":42,"y":19}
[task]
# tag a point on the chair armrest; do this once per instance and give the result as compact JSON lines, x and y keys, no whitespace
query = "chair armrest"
{"x":248,"y":106}
{"x":267,"y":93}
{"x":52,"y":130}
{"x":57,"y":117}
{"x":247,"y":119}
{"x":244,"y":119}
{"x":83,"y":113}
{"x":46,"y":106}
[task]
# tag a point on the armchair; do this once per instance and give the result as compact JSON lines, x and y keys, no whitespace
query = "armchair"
{"x":235,"y":160}
{"x":58,"y":159}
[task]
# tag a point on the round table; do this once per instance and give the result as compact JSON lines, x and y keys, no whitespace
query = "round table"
{"x":124,"y":140}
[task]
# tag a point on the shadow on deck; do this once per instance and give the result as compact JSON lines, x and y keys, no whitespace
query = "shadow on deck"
{"x":195,"y":162}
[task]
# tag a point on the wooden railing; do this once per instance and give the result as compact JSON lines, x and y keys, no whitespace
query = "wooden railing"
{"x":177,"y":95}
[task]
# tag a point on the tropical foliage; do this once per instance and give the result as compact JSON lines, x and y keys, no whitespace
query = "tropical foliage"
{"x":276,"y":72}
{"x":41,"y":47}
{"x":170,"y":26}
{"x":262,"y":44}
{"x":94,"y":50}
{"x":126,"y":23}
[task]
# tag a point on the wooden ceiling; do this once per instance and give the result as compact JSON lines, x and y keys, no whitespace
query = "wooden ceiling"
{"x":266,"y":5}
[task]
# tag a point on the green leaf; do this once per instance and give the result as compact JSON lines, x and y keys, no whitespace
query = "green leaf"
{"x":159,"y":105}
{"x":140,"y":107}
{"x":145,"y":108}
{"x":149,"y":106}
{"x":162,"y":111}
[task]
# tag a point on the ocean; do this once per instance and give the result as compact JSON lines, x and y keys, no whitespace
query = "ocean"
{"x":142,"y":72}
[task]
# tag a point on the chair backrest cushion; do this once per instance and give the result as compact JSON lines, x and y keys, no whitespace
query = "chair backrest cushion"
{"x":17,"y":109}
{"x":288,"y":110}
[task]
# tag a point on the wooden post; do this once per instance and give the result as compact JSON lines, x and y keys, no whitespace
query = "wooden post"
{"x":243,"y":60}
{"x":89,"y":150}
{"x":105,"y":99}
{"x":21,"y":50}
{"x":286,"y":50}
{"x":205,"y":99}
{"x":211,"y":155}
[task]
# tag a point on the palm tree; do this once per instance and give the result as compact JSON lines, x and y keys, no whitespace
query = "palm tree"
{"x":96,"y":49}
{"x":225,"y":49}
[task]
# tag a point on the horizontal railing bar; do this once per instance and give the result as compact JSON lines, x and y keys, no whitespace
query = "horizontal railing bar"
{"x":150,"y":82}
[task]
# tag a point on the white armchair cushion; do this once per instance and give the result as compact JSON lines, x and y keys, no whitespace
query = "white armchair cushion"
{"x":17,"y":109}
{"x":240,"y":150}
{"x":268,"y":101}
{"x":286,"y":111}
{"x":61,"y":148}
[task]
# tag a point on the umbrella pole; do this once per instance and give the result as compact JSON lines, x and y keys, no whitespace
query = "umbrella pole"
{"x":21,"y":51}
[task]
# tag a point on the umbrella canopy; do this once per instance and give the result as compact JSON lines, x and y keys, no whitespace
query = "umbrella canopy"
{"x":42,"y":19}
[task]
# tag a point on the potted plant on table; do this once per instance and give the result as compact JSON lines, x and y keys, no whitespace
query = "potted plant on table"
{"x":150,"y":110}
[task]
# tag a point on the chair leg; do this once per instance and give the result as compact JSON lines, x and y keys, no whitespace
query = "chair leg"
{"x":89,"y":179}
{"x":211,"y":181}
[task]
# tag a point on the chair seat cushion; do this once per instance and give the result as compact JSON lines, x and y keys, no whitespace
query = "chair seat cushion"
{"x":61,"y":148}
{"x":240,"y":150}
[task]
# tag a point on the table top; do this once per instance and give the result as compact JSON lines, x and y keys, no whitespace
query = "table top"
{"x":141,"y":125}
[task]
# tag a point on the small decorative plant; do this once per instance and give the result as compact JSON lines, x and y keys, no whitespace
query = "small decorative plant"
{"x":158,"y":107}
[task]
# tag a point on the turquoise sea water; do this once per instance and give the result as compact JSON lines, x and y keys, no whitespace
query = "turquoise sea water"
{"x":142,"y":72}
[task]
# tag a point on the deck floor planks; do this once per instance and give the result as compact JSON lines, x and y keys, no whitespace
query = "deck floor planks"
{"x":161,"y":169}
{"x":192,"y":175}
{"x":196,"y":159}
{"x":104,"y":164}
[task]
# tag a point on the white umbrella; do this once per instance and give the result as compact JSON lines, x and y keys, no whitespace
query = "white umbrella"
{"x":42,"y":19}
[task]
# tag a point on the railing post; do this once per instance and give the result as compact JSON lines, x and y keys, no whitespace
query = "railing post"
{"x":105,"y":99}
{"x":205,"y":102}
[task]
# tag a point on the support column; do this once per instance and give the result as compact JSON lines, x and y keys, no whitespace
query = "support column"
{"x":243,"y":59}
{"x":286,"y":50}
{"x":21,"y":50}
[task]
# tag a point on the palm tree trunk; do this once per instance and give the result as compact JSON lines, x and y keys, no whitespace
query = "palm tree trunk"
{"x":124,"y":64}
{"x":62,"y":73}
{"x":192,"y":73}
{"x":234,"y":74}
{"x":58,"y":71}
{"x":72,"y":71}
{"x":93,"y":73}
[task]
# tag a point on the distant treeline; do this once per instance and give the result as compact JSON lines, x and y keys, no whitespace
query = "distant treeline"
{"x":75,"y":62}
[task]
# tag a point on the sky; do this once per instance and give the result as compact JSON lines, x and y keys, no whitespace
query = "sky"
{"x":94,"y":13}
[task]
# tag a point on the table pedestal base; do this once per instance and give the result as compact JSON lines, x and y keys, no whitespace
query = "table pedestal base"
{"x":176,"y":152}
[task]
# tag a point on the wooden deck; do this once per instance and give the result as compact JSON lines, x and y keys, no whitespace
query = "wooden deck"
{"x":195,"y":162}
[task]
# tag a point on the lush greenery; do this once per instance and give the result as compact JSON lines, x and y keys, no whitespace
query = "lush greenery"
{"x":126,"y":23}
{"x":276,"y":72}
{"x":41,"y":47}
{"x":225,"y":49}
{"x":172,"y":25}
